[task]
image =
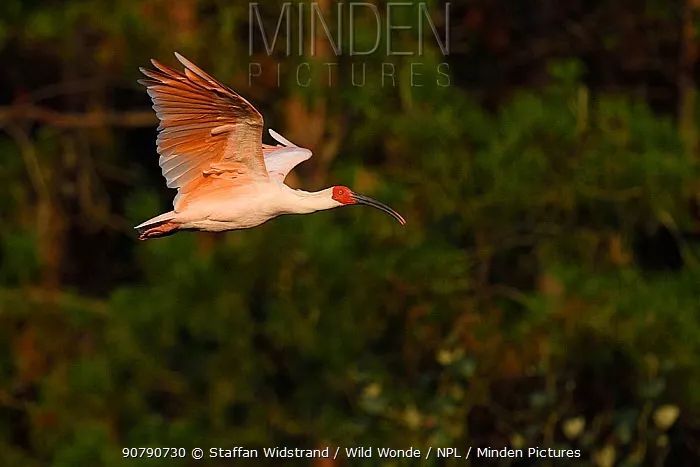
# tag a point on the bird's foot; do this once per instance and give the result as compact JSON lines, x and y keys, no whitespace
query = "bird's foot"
{"x":162,"y":230}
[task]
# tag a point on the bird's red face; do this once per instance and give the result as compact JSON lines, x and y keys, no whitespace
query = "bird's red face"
{"x":345,"y":195}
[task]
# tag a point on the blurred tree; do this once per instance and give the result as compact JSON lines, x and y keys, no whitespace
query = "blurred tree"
{"x":544,"y":292}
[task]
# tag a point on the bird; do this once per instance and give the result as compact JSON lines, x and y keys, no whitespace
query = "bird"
{"x":211,"y":150}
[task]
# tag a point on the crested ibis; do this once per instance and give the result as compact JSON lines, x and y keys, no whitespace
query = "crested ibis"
{"x":210,"y":146}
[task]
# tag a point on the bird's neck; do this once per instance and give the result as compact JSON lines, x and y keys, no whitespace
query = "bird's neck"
{"x":304,"y":202}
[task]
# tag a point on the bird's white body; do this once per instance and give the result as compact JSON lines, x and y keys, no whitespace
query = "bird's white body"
{"x":211,"y":151}
{"x":250,"y":207}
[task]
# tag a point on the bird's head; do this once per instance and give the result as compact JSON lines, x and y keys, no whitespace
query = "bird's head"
{"x":345,"y":196}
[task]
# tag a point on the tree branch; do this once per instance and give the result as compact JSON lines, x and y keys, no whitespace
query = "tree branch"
{"x":96,"y":119}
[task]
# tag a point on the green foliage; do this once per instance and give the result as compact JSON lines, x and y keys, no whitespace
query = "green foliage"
{"x":525,"y":303}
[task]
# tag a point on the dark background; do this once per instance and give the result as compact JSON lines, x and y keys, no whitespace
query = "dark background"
{"x":545,"y":291}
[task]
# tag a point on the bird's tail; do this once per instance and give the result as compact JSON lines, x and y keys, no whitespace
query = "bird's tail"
{"x":159,"y":226}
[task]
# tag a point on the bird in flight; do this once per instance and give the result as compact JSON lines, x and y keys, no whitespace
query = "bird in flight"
{"x":211,"y":151}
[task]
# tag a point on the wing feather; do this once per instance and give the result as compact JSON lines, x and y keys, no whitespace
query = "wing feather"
{"x":280,"y":160}
{"x":203,"y":124}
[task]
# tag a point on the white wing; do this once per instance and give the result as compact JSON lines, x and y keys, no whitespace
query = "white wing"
{"x":280,"y":160}
{"x":280,"y":139}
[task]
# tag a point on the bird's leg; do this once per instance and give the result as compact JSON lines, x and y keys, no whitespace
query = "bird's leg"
{"x":162,"y":230}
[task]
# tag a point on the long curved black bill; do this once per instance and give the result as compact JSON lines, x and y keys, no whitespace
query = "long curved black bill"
{"x":361,"y":199}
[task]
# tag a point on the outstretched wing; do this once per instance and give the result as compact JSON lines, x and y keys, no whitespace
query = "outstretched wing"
{"x":206,"y":130}
{"x":280,"y":160}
